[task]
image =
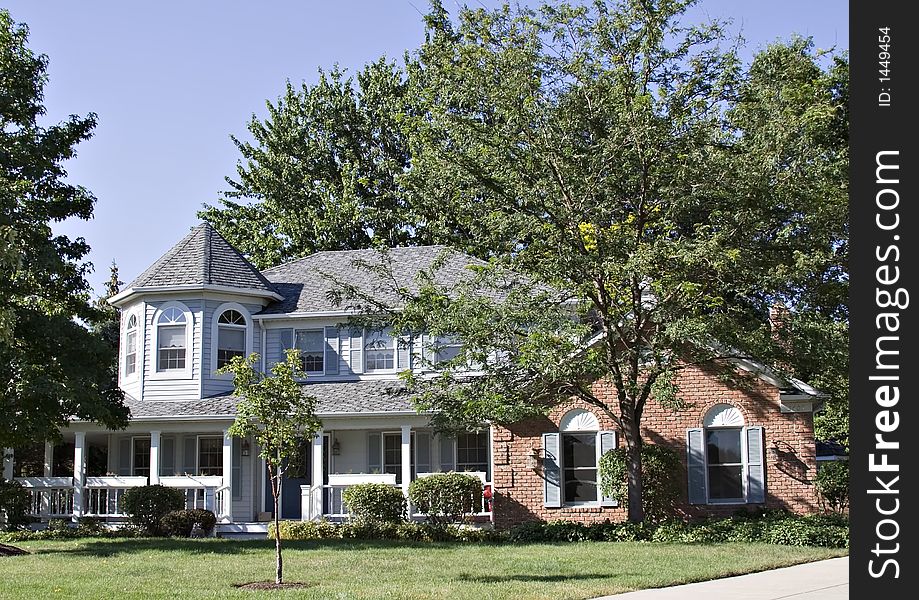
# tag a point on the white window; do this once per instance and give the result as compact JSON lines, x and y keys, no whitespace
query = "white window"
{"x":130,"y":346}
{"x":379,"y":352}
{"x":210,"y":456}
{"x":311,"y":344}
{"x":171,"y":339}
{"x":472,"y":451}
{"x":579,"y":471}
{"x":443,"y":349}
{"x":140,"y":465}
{"x":725,"y":459}
{"x":231,"y":336}
{"x":577,"y":448}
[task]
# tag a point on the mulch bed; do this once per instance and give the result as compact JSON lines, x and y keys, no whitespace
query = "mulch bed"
{"x":11,"y":550}
{"x":270,"y":585}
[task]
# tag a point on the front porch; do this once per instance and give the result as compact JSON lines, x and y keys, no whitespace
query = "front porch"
{"x":88,"y":473}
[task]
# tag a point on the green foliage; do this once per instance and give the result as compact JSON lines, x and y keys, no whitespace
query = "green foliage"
{"x":446,"y":497}
{"x":342,"y":149}
{"x":370,"y":503}
{"x":52,"y":368}
{"x":147,"y":505}
{"x":660,"y":474}
{"x":832,"y":484}
{"x":14,"y":505}
{"x":404,"y":531}
{"x":179,"y":523}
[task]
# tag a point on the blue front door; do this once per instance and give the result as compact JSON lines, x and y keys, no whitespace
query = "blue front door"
{"x":299,"y":472}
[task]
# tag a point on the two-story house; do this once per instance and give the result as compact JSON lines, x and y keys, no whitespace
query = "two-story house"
{"x":203,"y":303}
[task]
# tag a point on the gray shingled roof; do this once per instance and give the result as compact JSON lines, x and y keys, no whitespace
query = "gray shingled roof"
{"x":306,"y":283}
{"x":203,"y":257}
{"x":338,"y":398}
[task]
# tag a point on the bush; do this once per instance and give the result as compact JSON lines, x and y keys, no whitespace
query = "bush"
{"x":405,"y":531}
{"x":179,"y":523}
{"x":14,"y":506}
{"x":375,"y":503}
{"x":147,"y":505}
{"x":660,"y":476}
{"x":446,"y":497}
{"x":833,"y":485}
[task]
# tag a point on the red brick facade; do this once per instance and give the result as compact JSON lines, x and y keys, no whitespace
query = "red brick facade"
{"x":789,"y":451}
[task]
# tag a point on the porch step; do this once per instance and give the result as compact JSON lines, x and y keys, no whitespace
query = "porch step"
{"x":255,"y":530}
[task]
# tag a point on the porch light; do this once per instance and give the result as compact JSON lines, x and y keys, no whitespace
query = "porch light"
{"x":244,"y":447}
{"x":336,"y":448}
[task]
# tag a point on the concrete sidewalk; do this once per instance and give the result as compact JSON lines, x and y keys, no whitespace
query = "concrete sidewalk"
{"x":822,"y":580}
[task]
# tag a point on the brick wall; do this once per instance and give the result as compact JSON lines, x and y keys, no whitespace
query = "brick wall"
{"x":789,"y":450}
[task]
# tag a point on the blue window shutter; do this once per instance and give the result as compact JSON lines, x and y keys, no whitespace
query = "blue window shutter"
{"x":331,"y":351}
{"x":552,"y":471}
{"x":447,"y":448}
{"x":423,"y":452}
{"x":124,"y":456}
{"x":756,"y":468}
{"x":374,"y":453}
{"x":237,"y":478}
{"x":403,"y":352}
{"x":695,"y":461}
{"x":167,"y":455}
{"x":607,"y":442}
{"x":189,"y":456}
{"x":357,"y":351}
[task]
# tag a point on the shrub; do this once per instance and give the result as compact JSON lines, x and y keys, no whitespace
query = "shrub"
{"x":405,"y":531}
{"x":375,"y":503}
{"x":179,"y":523}
{"x":833,"y":485}
{"x":14,"y":505}
{"x":660,"y":476}
{"x":446,"y":497}
{"x":147,"y":505}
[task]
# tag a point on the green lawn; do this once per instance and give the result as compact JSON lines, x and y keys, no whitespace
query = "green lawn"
{"x":151,"y":568}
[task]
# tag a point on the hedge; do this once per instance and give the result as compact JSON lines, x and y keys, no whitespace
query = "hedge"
{"x":446,"y":497}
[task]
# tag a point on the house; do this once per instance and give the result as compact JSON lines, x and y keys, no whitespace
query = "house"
{"x":202,"y":303}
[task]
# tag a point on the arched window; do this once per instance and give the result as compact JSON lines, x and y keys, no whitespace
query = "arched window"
{"x":579,"y":454}
{"x":171,"y":339}
{"x":725,"y":458}
{"x":130,"y":346}
{"x":231,"y":336}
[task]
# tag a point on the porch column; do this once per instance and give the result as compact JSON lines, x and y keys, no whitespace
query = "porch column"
{"x":406,"y":458}
{"x":154,"y":457}
{"x":49,"y":459}
{"x":79,"y":471}
{"x":227,"y":498}
{"x":317,"y":496}
{"x":7,"y":463}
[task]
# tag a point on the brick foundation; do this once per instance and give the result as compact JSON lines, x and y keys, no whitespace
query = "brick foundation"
{"x":789,"y":450}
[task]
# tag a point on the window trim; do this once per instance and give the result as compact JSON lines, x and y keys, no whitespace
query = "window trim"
{"x":185,"y":373}
{"x":579,"y":422}
{"x":198,"y":439}
{"x":134,"y":439}
{"x":129,"y":329}
{"x":387,"y":332}
{"x":487,"y":452}
{"x":215,"y":334}
{"x":744,"y":476}
{"x":321,"y":331}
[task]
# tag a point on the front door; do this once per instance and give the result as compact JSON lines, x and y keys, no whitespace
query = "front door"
{"x":299,"y":472}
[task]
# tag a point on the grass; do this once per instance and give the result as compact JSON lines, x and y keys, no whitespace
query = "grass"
{"x":158,"y":568}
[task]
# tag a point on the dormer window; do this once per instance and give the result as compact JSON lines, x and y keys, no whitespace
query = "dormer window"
{"x":130,"y":345}
{"x":171,"y":339}
{"x":231,"y":336}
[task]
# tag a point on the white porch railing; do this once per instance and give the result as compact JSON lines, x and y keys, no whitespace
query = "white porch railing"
{"x":50,"y":497}
{"x":104,"y":494}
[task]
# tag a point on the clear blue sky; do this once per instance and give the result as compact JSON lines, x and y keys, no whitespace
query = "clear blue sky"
{"x":171,"y":80}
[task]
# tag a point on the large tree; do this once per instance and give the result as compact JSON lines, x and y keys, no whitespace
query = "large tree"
{"x":320,"y":171}
{"x":640,"y":179}
{"x":52,"y":368}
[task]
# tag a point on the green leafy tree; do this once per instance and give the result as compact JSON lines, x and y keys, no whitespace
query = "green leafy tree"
{"x":273,"y":410}
{"x":612,"y":156}
{"x":321,"y":171}
{"x":52,"y":368}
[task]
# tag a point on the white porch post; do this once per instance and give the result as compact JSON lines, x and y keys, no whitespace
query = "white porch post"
{"x":79,"y":470}
{"x":7,"y":463}
{"x":406,"y":458}
{"x":315,"y":480}
{"x":227,"y":498}
{"x":49,"y":459}
{"x":154,"y":457}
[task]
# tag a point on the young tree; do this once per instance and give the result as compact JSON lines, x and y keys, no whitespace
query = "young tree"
{"x":52,"y":368}
{"x":275,"y":411}
{"x":594,"y":150}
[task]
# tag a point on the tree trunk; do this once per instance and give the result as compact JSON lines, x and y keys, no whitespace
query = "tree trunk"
{"x":276,"y":492}
{"x":633,"y":441}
